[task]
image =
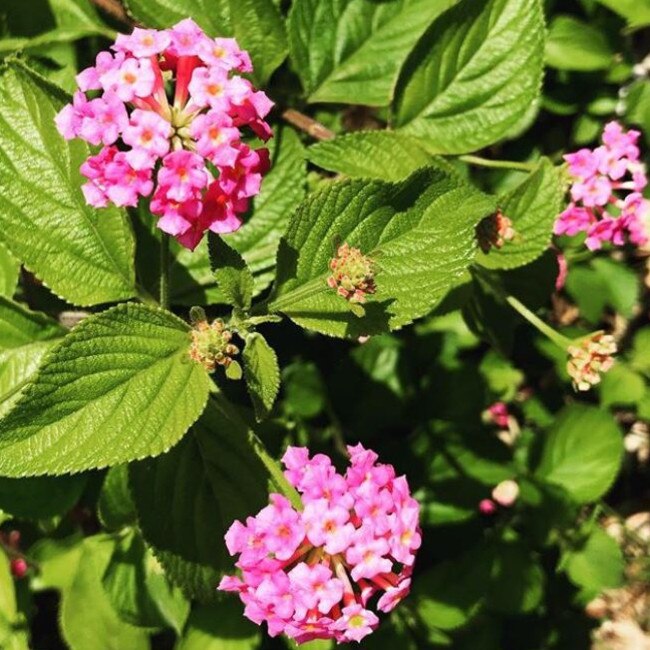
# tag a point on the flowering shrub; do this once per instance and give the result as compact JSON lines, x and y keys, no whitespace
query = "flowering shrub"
{"x":324,"y":322}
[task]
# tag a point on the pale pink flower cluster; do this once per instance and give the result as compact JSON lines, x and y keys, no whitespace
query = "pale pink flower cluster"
{"x":318,"y":573}
{"x":607,"y":201}
{"x":168,"y":110}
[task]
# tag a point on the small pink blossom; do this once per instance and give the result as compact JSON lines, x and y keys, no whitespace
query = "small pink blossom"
{"x":216,"y":138}
{"x":148,"y":134}
{"x":224,"y":53}
{"x":184,"y":173}
{"x":573,"y":220}
{"x":356,"y":623}
{"x":143,"y":43}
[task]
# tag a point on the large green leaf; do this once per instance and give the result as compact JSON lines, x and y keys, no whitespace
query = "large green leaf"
{"x":259,"y":29}
{"x":211,"y":15}
{"x":636,"y":12}
{"x":87,"y":618}
{"x":24,"y":338}
{"x":474,"y":76}
{"x":349,"y":51}
{"x":138,"y":589}
{"x":119,"y":387}
{"x":384,"y":155}
{"x":575,"y":45}
{"x":9,"y":271}
{"x":40,"y":497}
{"x":532,"y":207}
{"x":257,"y":240}
{"x":82,"y":254}
{"x":420,"y":232}
{"x":219,"y":626}
{"x":187,"y":499}
{"x":582,"y":452}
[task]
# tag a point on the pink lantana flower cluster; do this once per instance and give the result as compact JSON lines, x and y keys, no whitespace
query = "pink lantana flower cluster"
{"x":319,"y":573}
{"x":168,"y":110}
{"x":607,"y":201}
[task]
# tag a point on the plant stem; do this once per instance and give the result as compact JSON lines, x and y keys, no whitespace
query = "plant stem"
{"x":498,"y":164}
{"x":305,"y":123}
{"x":164,"y":271}
{"x":561,"y":341}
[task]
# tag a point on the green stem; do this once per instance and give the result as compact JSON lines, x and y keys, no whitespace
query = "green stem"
{"x":311,"y":288}
{"x":561,"y":341}
{"x":498,"y":164}
{"x":164,"y":271}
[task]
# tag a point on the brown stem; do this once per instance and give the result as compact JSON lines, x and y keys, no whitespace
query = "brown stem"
{"x":115,"y":9}
{"x":308,"y":125}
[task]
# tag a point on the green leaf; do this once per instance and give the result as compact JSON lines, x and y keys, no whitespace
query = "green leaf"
{"x":13,"y":635}
{"x":188,"y":498}
{"x":636,"y":12}
{"x":640,"y":353}
{"x":9,"y":271}
{"x":573,"y":44}
{"x":87,"y":618}
{"x":259,"y":29}
{"x":582,"y":452}
{"x":447,"y":596}
{"x":115,"y":507}
{"x":304,"y":389}
{"x":42,"y":497}
{"x":25,"y":337}
{"x":502,"y":378}
{"x":79,"y":14}
{"x":637,"y":105}
{"x":532,"y":207}
{"x":395,"y":224}
{"x":234,"y":278}
{"x":384,"y":155}
{"x":473,"y":76}
{"x":621,"y":386}
{"x":212,"y":15}
{"x":262,"y":373}
{"x":517,"y":581}
{"x":350,"y":51}
{"x":57,"y":561}
{"x":596,"y":565}
{"x":119,"y":387}
{"x":257,"y":240}
{"x":138,"y":589}
{"x":219,"y":626}
{"x":82,"y":254}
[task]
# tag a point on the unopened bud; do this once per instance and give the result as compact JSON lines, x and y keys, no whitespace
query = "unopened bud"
{"x":506,"y":493}
{"x":487,"y":507}
{"x":353,"y":274}
{"x":18,"y":568}
{"x":589,"y":358}
{"x":211,"y":346}
{"x":494,"y":231}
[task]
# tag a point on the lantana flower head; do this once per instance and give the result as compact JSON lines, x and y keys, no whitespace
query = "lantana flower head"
{"x":589,"y":359}
{"x":353,"y":274}
{"x":169,"y":111}
{"x":323,"y":572}
{"x":607,"y":192}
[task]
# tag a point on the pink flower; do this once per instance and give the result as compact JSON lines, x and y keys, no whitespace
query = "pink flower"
{"x":356,"y":623}
{"x":314,"y":573}
{"x":148,"y":133}
{"x":499,"y":414}
{"x":143,"y":43}
{"x":600,"y":204}
{"x":189,"y":154}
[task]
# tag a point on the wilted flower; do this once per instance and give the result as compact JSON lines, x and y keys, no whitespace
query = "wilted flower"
{"x":589,"y":358}
{"x":169,"y":114}
{"x":506,"y":493}
{"x":353,"y":274}
{"x":607,"y":200}
{"x":319,"y":573}
{"x":637,"y":441}
{"x":494,"y":231}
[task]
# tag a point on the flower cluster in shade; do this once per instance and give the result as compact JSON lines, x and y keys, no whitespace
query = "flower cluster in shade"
{"x":352,"y":274}
{"x":494,"y":231}
{"x":607,"y":201}
{"x":589,"y":358}
{"x":321,"y":572}
{"x":169,"y":112}
{"x":211,"y":345}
